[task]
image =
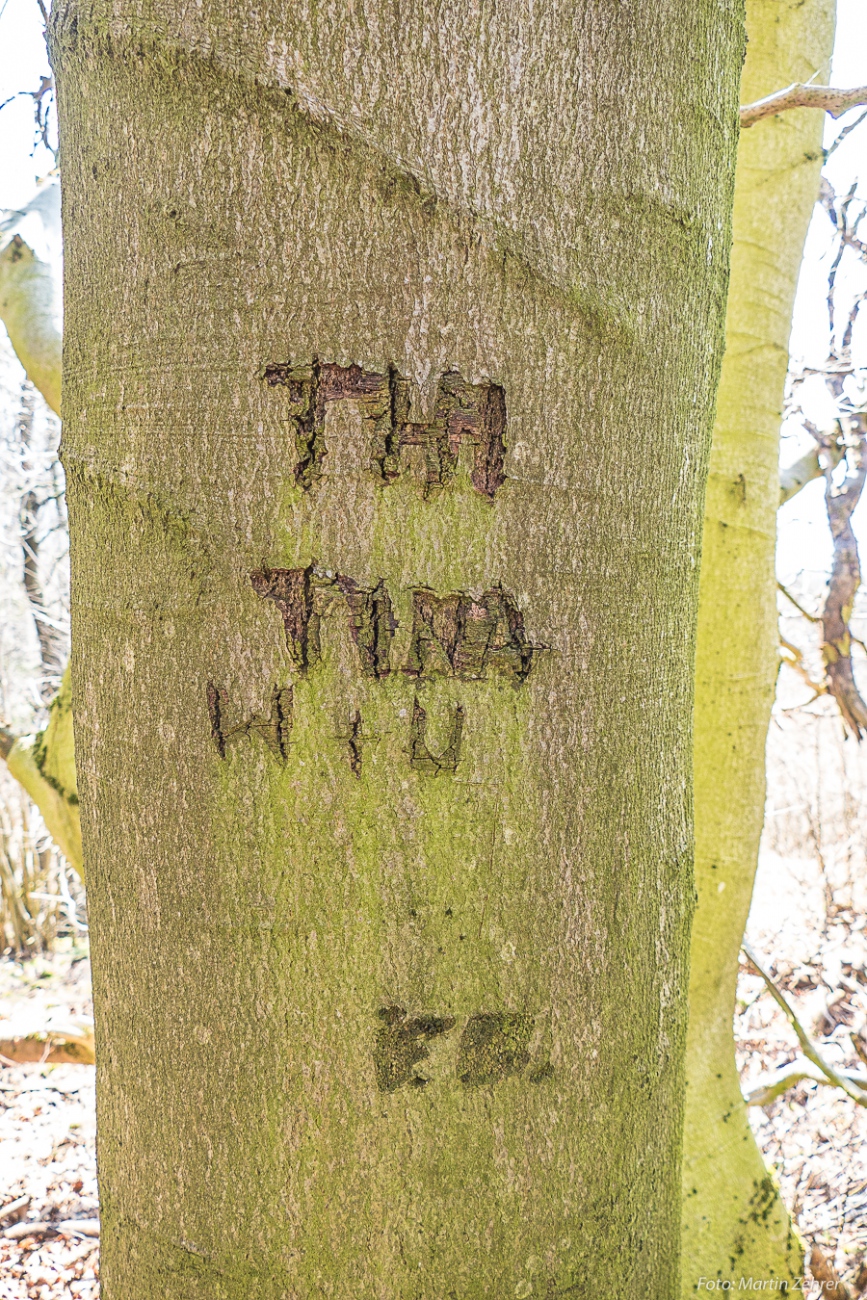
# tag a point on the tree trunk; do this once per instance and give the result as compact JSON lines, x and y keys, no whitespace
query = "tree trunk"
{"x":734,"y":1222}
{"x":391,"y":343}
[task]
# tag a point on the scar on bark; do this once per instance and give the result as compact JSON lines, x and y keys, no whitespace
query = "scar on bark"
{"x":457,"y":636}
{"x":420,"y":756}
{"x":495,"y":1045}
{"x":292,"y":592}
{"x":400,"y":1045}
{"x":463,"y":413}
{"x":355,"y":742}
{"x":372,"y":624}
{"x":227,"y":728}
{"x":371,"y":618}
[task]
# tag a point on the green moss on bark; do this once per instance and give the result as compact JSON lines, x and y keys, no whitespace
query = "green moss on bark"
{"x":531,"y":884}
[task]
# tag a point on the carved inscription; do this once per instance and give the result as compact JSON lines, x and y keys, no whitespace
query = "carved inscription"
{"x":420,"y":756}
{"x":292,"y":592}
{"x":227,"y":727}
{"x":456,"y":636}
{"x":401,"y":1045}
{"x":371,"y":622}
{"x":296,"y":593}
{"x":494,"y":1045}
{"x":354,"y":740}
{"x":451,"y":635}
{"x":464,"y":413}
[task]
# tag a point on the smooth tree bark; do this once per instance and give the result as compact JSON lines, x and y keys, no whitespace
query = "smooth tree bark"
{"x":391,"y":342}
{"x":735,"y":1226}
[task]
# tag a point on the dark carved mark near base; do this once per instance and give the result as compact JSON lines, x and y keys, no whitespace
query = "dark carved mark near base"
{"x":420,"y":756}
{"x":401,"y":1044}
{"x":275,"y":730}
{"x":493,"y":1046}
{"x":298,"y":594}
{"x":458,"y":636}
{"x":463,"y":413}
{"x":355,"y":742}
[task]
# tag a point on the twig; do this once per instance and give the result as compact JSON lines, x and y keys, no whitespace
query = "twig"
{"x":860,"y":1049}
{"x":808,"y":1047}
{"x":831,"y":99}
{"x":828,"y":200}
{"x":11,"y":1208}
{"x":794,"y":659}
{"x":813,"y":618}
{"x":847,"y":130}
{"x":776,"y":1082}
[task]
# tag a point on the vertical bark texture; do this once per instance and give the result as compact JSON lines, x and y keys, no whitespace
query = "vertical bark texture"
{"x":392,"y":337}
{"x":734,"y":1223}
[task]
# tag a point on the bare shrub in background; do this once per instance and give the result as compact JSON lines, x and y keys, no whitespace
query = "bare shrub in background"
{"x":40,"y":897}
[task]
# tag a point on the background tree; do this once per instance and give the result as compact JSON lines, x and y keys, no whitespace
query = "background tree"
{"x":43,"y":763}
{"x":383,"y":629}
{"x":734,"y":1223}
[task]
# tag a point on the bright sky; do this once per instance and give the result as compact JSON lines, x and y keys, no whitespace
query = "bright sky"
{"x":23,"y":61}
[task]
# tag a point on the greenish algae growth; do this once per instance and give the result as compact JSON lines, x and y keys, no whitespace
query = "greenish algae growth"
{"x":734,"y":1224}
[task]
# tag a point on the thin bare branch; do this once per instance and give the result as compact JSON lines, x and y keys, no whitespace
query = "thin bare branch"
{"x":829,"y":450}
{"x":813,"y":618}
{"x":792,"y":656}
{"x":776,"y":1082}
{"x":808,"y":1047}
{"x":828,"y":200}
{"x":847,"y":131}
{"x":860,"y":1048}
{"x":830,"y":99}
{"x":860,"y":299}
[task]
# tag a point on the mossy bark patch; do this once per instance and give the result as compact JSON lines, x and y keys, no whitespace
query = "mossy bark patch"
{"x":391,"y":345}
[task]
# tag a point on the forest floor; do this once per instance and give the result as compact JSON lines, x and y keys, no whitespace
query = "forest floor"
{"x":814,"y":1137}
{"x":48,"y":1200}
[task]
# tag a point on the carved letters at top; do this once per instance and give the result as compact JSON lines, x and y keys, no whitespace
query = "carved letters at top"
{"x":463,"y":413}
